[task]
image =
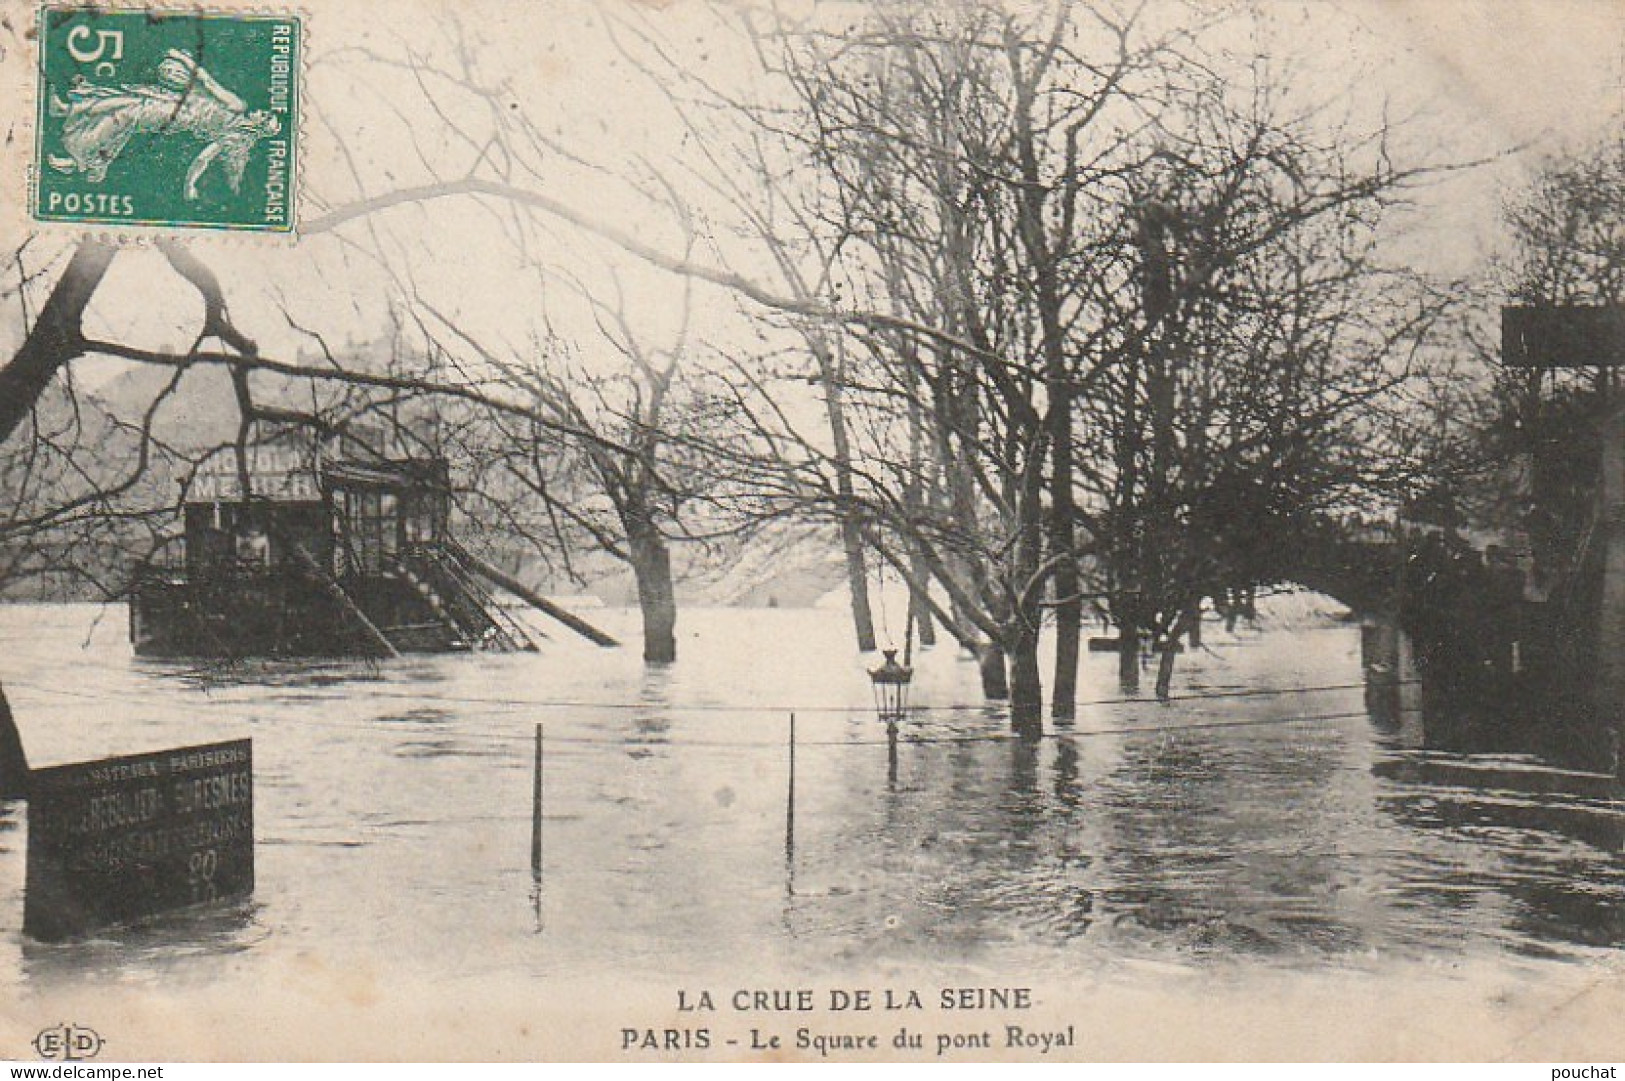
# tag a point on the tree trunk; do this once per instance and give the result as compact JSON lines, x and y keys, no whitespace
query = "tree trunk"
{"x":1156,"y":574}
{"x":651,"y":566}
{"x":922,"y":480}
{"x":857,"y":573}
{"x":1128,"y":654}
{"x":1026,"y":686}
{"x":995,"y":678}
{"x":924,"y":624}
{"x":55,"y":338}
{"x":1187,"y":626}
{"x":1068,"y":622}
{"x":13,"y":762}
{"x":1142,"y":542}
{"x":1062,"y":540}
{"x":1165,"y":668}
{"x":857,"y":578}
{"x":1045,"y":259}
{"x":1062,"y":531}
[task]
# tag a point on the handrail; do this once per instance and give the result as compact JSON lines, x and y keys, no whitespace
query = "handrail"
{"x":530,"y":596}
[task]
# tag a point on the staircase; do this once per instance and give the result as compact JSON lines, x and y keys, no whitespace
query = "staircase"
{"x":460,"y":600}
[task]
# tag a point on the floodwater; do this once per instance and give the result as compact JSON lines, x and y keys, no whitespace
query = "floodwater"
{"x":1267,"y":817}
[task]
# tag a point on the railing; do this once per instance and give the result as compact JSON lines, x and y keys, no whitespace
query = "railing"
{"x":507,"y":632}
{"x":475,"y":570}
{"x":464,"y":601}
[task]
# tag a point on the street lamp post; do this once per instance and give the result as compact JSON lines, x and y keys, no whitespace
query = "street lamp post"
{"x":891,"y":681}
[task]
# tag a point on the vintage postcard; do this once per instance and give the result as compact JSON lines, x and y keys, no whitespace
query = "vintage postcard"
{"x":1033,"y":530}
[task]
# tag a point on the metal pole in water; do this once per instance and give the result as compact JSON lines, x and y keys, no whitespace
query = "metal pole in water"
{"x":536,"y":811}
{"x":790,"y":825}
{"x":790,"y":797}
{"x":891,"y":755}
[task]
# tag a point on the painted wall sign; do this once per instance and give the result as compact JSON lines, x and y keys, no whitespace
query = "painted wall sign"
{"x":114,"y":841}
{"x":281,"y":473}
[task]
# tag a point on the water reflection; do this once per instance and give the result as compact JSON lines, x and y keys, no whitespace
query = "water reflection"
{"x":262,"y":672}
{"x":1289,"y":838}
{"x":1067,"y":792}
{"x":157,"y":948}
{"x":11,"y":813}
{"x":1437,"y":710}
{"x":685,"y":825}
{"x":1516,"y":809}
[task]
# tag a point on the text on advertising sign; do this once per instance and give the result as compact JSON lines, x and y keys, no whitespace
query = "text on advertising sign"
{"x":113,"y":841}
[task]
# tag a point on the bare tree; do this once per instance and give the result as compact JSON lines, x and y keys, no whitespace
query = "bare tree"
{"x":56,"y":337}
{"x":1117,"y":236}
{"x":623,"y":493}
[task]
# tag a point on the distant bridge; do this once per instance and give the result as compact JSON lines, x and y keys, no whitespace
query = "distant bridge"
{"x":1361,"y":566}
{"x":1467,"y":612}
{"x":1433,"y":585}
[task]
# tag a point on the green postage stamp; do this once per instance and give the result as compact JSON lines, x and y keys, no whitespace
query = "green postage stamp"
{"x":184,"y":119}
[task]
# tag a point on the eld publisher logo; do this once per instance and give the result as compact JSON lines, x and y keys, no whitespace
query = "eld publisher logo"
{"x":68,"y":1043}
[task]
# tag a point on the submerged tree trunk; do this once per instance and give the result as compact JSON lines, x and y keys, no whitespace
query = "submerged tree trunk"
{"x":1068,"y":617}
{"x":1062,"y":542}
{"x":1026,"y":686}
{"x":1045,"y":253}
{"x":918,"y":492}
{"x":1128,"y":654}
{"x":995,"y":677}
{"x":1062,"y":530}
{"x":1187,"y":626}
{"x":13,"y":761}
{"x":651,"y":567}
{"x":1165,"y":668}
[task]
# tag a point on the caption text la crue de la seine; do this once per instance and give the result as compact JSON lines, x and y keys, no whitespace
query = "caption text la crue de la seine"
{"x":833,"y":1022}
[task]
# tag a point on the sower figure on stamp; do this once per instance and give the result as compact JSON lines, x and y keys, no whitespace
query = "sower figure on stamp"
{"x":99,"y":121}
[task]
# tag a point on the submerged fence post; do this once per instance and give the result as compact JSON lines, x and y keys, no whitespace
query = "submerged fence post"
{"x":790,"y":797}
{"x":790,"y":822}
{"x":536,"y":810}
